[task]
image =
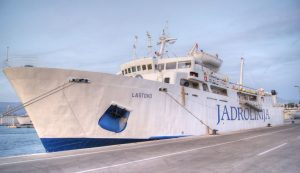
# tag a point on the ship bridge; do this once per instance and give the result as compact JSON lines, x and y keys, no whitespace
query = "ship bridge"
{"x":196,"y":65}
{"x":174,"y":70}
{"x":163,"y":70}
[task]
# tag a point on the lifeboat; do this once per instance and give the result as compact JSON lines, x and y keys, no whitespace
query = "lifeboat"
{"x":208,"y":59}
{"x":205,"y":58}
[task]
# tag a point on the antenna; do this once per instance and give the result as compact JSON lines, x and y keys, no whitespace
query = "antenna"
{"x":166,"y":28}
{"x":149,"y":43}
{"x":134,"y":46}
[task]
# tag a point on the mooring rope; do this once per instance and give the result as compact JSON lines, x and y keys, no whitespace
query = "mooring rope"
{"x":188,"y":110}
{"x":38,"y":98}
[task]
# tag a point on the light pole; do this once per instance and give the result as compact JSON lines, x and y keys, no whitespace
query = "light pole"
{"x":296,"y":86}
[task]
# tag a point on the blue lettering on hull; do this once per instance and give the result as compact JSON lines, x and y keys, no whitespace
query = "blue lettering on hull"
{"x":238,"y":113}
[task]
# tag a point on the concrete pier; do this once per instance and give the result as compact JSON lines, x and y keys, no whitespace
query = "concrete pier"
{"x":269,"y":149}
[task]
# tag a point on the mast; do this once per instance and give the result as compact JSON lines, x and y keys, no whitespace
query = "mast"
{"x":149,"y":43}
{"x":134,"y":46}
{"x":241,"y":72}
{"x":7,"y":49}
{"x":163,"y":40}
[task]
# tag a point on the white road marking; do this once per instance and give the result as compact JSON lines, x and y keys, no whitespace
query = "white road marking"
{"x":156,"y":157}
{"x":135,"y":147}
{"x":262,"y":153}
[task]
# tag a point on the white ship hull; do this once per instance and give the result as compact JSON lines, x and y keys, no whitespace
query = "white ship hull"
{"x":70,"y":116}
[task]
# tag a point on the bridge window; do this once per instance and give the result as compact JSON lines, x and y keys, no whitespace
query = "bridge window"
{"x":144,"y":67}
{"x":167,"y":80}
{"x":184,"y":64}
{"x":171,"y":65}
{"x":125,"y":71}
{"x":129,"y":70}
{"x":195,"y":85}
{"x":133,"y":69}
{"x":205,"y":87}
{"x":149,"y":66}
{"x":160,"y":67}
{"x":138,"y":68}
{"x":252,"y":98}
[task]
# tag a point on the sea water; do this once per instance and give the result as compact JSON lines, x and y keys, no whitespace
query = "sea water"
{"x":19,"y":141}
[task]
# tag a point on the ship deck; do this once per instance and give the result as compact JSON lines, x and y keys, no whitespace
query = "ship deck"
{"x":269,"y":149}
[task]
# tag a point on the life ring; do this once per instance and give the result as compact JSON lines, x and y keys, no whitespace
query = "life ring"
{"x":205,"y":78}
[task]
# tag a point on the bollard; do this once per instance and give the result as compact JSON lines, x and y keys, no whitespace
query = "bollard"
{"x":269,"y":125}
{"x":214,"y":132}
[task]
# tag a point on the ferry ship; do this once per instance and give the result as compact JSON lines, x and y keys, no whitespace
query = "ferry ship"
{"x":150,"y":98}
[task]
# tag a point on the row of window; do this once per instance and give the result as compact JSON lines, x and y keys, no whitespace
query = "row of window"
{"x":169,"y":66}
{"x":172,"y":65}
{"x":195,"y":85}
{"x":137,"y":68}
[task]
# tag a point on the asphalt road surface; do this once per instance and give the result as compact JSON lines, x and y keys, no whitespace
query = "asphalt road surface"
{"x":269,"y":149}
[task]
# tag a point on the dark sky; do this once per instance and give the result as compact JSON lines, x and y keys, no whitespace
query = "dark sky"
{"x":98,"y":35}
